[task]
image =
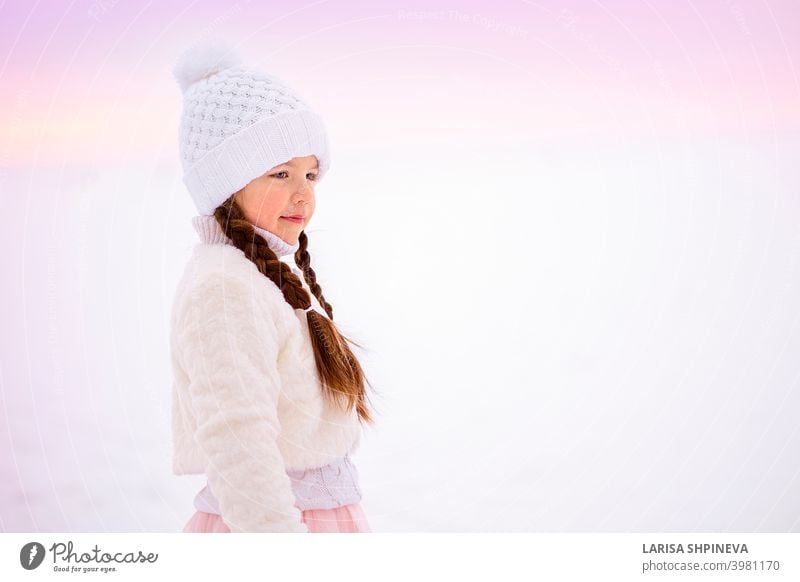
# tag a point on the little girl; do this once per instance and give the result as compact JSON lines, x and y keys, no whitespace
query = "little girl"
{"x":267,"y":399}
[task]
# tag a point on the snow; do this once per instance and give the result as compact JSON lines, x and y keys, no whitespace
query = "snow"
{"x":565,"y":336}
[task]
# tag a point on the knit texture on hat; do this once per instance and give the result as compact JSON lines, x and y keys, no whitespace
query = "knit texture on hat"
{"x":237,"y":123}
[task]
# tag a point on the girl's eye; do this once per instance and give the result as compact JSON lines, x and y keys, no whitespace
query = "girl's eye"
{"x":314,"y":176}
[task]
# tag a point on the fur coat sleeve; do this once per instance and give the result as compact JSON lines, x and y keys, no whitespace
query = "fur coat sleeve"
{"x":229,"y":348}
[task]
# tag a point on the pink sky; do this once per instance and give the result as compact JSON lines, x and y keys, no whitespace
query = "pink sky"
{"x":93,"y":81}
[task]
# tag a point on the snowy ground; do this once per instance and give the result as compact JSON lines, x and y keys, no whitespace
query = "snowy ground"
{"x":596,"y":337}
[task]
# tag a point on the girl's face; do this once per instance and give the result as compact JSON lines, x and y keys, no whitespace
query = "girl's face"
{"x":285,"y":190}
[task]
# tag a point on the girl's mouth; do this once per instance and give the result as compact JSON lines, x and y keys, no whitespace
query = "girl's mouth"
{"x":293,"y":219}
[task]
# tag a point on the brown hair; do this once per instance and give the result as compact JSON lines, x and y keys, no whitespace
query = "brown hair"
{"x":341,"y":374}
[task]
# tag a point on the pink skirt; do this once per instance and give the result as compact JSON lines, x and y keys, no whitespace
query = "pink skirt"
{"x":344,"y":519}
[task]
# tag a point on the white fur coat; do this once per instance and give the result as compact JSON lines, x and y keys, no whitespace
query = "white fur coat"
{"x":246,"y":395}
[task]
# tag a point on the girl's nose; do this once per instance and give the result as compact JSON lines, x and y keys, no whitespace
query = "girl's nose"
{"x":304,"y":192}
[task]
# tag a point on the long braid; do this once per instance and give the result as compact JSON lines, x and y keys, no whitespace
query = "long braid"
{"x":341,"y":374}
{"x":303,"y":260}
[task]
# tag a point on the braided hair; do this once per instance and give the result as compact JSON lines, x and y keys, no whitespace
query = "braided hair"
{"x":341,"y":374}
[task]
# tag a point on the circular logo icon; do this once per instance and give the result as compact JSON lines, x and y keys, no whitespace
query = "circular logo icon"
{"x":31,"y":555}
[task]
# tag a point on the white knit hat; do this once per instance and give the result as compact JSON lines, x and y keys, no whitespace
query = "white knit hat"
{"x":237,"y":123}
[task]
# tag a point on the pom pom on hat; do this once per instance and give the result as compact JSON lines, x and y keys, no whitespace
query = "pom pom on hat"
{"x":203,"y":60}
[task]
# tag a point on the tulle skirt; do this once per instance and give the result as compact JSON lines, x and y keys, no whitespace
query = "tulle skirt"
{"x":344,"y":519}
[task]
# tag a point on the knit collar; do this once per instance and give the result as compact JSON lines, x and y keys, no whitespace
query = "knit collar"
{"x":209,"y":231}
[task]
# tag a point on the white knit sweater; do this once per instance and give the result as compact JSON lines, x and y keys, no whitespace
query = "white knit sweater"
{"x":246,"y":399}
